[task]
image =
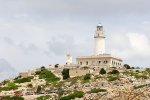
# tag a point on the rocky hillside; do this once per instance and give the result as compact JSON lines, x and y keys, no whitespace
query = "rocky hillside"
{"x":129,"y":84}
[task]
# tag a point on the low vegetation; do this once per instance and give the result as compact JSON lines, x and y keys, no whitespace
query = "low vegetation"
{"x":30,"y":85}
{"x":113,"y":78}
{"x":87,"y":77}
{"x":9,"y":86}
{"x":12,"y":98}
{"x":23,"y":80}
{"x":76,"y":94}
{"x":140,"y":86}
{"x":96,"y":90}
{"x":65,"y":73}
{"x":137,"y":74}
{"x":47,"y":97}
{"x":56,"y":66}
{"x":114,"y":72}
{"x":102,"y":71}
{"x":47,"y":75}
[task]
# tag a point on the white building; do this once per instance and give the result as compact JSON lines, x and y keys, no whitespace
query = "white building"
{"x":100,"y":58}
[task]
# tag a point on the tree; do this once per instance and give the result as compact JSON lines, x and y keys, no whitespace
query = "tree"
{"x":65,"y":73}
{"x":127,"y":66}
{"x":42,"y":68}
{"x":102,"y":71}
{"x":56,"y":66}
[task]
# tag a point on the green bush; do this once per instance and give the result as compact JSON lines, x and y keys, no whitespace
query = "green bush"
{"x":56,"y":66}
{"x":140,"y":76}
{"x":114,"y":72}
{"x":23,"y":80}
{"x":10,"y":86}
{"x":30,"y":85}
{"x":126,"y":66}
{"x":102,"y":71}
{"x":96,"y":90}
{"x":5,"y":82}
{"x":87,"y":77}
{"x":65,"y":73}
{"x":12,"y":98}
{"x":47,"y":75}
{"x":76,"y":94}
{"x":112,"y":78}
{"x":47,"y":97}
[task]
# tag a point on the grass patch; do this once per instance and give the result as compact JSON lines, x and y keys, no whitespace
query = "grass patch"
{"x":10,"y":86}
{"x":47,"y":97}
{"x":113,"y":78}
{"x":140,"y":86}
{"x":23,"y":80}
{"x":12,"y":98}
{"x":47,"y":75}
{"x":76,"y":94}
{"x":96,"y":90}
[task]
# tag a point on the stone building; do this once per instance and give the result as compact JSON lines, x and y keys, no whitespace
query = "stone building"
{"x":100,"y":59}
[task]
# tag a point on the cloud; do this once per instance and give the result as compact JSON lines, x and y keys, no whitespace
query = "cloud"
{"x":35,"y":33}
{"x":6,"y":70}
{"x":132,"y":47}
{"x":139,"y":43}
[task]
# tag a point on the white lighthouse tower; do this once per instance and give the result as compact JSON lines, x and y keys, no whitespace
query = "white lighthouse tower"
{"x":99,"y":40}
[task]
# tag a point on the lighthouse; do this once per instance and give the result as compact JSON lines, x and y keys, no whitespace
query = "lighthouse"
{"x":99,"y":40}
{"x":100,"y":59}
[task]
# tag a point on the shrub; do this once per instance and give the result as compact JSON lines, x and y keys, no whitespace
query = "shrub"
{"x":137,"y":71}
{"x":47,"y":75}
{"x":140,"y":76}
{"x":76,"y":94}
{"x":102,"y":71}
{"x":56,"y":66}
{"x":10,"y":86}
{"x":23,"y":80}
{"x":65,"y":73}
{"x":30,"y":85}
{"x":87,"y":77}
{"x":114,"y":72}
{"x":5,"y":82}
{"x":96,"y":90}
{"x":126,"y":66}
{"x":112,"y":78}
{"x":12,"y":98}
{"x":17,"y":98}
{"x":47,"y":97}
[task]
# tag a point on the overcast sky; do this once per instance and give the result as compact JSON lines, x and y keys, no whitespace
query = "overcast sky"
{"x":40,"y":32}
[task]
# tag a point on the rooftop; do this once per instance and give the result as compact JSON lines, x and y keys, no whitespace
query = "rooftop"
{"x":100,"y":56}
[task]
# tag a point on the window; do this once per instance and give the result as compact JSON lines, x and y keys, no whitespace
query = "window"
{"x":105,"y":62}
{"x":80,"y":63}
{"x":86,"y":62}
{"x":99,"y":62}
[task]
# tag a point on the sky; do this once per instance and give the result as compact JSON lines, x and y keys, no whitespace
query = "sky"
{"x":35,"y":33}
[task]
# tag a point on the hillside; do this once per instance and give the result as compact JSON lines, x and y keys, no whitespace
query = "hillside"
{"x":43,"y":84}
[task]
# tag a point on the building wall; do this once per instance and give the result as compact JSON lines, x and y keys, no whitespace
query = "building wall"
{"x":78,"y":72}
{"x":100,"y":62}
{"x":99,"y":46}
